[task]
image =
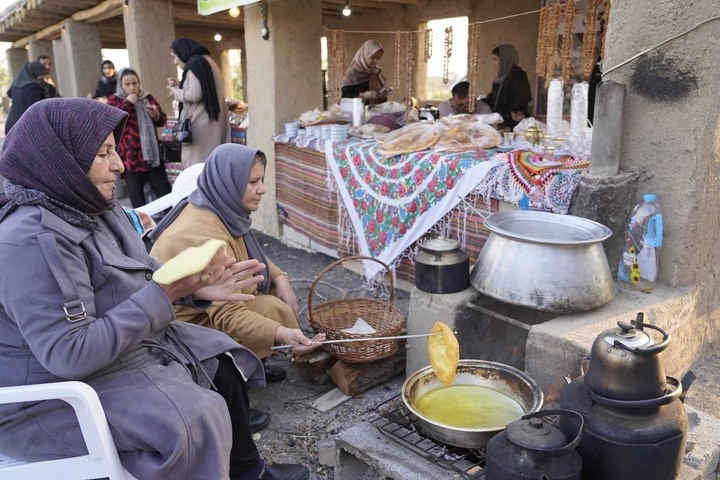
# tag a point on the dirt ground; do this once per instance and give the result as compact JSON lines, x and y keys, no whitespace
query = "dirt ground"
{"x":295,"y":428}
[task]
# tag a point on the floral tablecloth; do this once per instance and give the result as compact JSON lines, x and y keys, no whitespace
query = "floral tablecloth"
{"x":392,"y":202}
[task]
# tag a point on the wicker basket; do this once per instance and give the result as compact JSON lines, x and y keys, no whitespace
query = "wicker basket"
{"x":331,"y":317}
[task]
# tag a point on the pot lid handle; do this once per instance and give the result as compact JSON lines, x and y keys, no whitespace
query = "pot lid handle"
{"x":521,"y":433}
{"x":648,"y":351}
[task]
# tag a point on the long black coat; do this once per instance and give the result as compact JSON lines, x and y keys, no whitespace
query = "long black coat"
{"x":513,"y":95}
{"x":22,"y":98}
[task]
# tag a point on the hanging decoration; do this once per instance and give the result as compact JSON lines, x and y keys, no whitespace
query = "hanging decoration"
{"x":336,"y":63}
{"x":540,"y":55}
{"x":410,"y":54}
{"x":606,"y":19}
{"x":398,"y":56}
{"x":566,"y":52}
{"x":589,"y":38}
{"x":447,"y":54}
{"x":474,"y":34}
{"x":552,"y":35}
{"x":428,"y":44}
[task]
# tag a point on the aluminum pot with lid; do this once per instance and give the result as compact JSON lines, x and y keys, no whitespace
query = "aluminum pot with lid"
{"x":441,"y":266}
{"x":544,"y":261}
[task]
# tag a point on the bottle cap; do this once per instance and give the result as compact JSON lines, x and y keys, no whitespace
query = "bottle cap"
{"x":649,"y":197}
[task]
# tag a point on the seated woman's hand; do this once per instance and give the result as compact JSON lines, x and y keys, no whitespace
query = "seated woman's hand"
{"x":222,"y":279}
{"x":235,"y":277}
{"x":290,"y":336}
{"x":284,"y":291}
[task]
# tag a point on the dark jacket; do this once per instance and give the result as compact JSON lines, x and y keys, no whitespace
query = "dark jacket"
{"x":22,"y":98}
{"x":105,"y":89}
{"x":513,"y":95}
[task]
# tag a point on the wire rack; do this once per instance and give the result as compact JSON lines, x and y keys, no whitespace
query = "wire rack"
{"x":395,"y":421}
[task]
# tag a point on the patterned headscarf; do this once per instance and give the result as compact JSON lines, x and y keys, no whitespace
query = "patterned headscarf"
{"x":220,"y":188}
{"x":359,"y":71}
{"x":52,"y":147}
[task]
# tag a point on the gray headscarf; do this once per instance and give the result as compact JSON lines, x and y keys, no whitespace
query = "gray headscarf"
{"x":509,"y":57}
{"x":148,"y":134}
{"x":29,"y":73}
{"x":220,"y":188}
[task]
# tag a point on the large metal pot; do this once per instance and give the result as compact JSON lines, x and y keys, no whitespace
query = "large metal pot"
{"x":544,"y":261}
{"x":503,"y":378}
{"x":441,"y":266}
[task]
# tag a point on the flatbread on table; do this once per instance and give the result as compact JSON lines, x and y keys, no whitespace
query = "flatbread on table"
{"x":444,"y":353}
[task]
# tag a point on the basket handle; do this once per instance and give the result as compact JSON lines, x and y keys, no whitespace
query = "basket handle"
{"x":338,"y":262}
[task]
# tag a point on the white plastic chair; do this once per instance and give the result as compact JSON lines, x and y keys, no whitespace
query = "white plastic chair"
{"x":102,"y":459}
{"x":184,"y":185}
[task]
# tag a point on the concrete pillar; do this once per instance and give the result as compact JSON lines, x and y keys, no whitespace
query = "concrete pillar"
{"x":83,"y":56}
{"x":224,"y":65}
{"x":16,"y":57}
{"x":42,"y":47}
{"x":149,"y":31}
{"x":280,"y":83}
{"x":61,"y":66}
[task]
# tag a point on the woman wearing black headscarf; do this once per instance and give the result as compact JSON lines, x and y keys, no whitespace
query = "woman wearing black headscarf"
{"x":25,"y":90}
{"x":107,"y":84}
{"x":510,"y":90}
{"x":78,"y":302}
{"x":202,"y":100}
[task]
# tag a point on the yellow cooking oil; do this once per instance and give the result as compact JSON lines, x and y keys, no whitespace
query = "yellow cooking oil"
{"x":469,"y":406}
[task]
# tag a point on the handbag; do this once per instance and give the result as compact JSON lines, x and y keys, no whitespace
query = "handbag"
{"x":182,"y":131}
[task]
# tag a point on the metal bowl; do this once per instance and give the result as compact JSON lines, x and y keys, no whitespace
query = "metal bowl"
{"x":502,"y":378}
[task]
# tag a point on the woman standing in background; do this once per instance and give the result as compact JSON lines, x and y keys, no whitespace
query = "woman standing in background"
{"x":25,"y":90}
{"x":139,"y":147}
{"x":363,"y":78}
{"x":107,"y":84}
{"x":510,"y":93}
{"x":202,"y":100}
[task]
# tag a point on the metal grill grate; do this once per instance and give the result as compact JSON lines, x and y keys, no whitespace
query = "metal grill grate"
{"x":396,"y":422}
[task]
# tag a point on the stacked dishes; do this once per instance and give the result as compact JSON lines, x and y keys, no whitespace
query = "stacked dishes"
{"x":313,"y":131}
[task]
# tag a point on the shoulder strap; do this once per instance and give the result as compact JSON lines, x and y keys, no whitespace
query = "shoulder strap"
{"x":72,"y":305}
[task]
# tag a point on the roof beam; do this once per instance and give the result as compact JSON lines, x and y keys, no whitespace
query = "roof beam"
{"x":101,"y":12}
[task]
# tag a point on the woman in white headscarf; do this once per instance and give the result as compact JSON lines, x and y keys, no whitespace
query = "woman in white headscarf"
{"x":363,"y":78}
{"x":510,"y":93}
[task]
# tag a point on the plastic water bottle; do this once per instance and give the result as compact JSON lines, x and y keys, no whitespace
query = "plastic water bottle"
{"x":643,"y":238}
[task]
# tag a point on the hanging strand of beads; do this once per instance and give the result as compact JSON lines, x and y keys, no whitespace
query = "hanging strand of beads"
{"x":428,"y":44}
{"x":606,"y":19}
{"x":333,"y":80}
{"x":550,"y":54}
{"x":567,"y":43}
{"x":474,"y":34}
{"x":340,"y":63}
{"x":540,"y":55}
{"x":398,"y":56}
{"x":410,"y":54}
{"x":589,"y":39}
{"x":447,"y":54}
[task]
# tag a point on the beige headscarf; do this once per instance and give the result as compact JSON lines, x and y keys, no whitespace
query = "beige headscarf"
{"x":359,"y":71}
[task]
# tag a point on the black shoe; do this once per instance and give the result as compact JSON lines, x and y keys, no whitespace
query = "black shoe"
{"x":258,"y":420}
{"x":285,"y":471}
{"x":274,"y":374}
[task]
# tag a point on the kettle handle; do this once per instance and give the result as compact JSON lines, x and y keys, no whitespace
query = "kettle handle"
{"x":560,"y":411}
{"x":651,"y":350}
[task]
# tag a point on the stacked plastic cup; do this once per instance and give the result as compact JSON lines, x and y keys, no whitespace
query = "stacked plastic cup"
{"x":291,"y":129}
{"x":339,"y":133}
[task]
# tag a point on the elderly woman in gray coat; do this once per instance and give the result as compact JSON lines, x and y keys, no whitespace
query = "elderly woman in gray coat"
{"x":78,"y":302}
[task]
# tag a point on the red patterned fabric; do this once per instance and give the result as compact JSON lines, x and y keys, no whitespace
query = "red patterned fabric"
{"x":129,"y":147}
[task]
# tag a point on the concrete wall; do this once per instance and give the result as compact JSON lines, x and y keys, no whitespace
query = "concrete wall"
{"x":16,"y":57}
{"x":281,"y":83}
{"x":82,"y":45}
{"x":671,"y":128}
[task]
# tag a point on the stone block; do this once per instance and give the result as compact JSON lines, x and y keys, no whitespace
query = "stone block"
{"x":326,"y":452}
{"x":294,"y":238}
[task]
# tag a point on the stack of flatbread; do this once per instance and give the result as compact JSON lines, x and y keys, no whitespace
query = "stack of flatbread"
{"x":468,"y":136}
{"x":415,"y":137}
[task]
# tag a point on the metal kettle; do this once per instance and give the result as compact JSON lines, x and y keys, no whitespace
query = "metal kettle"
{"x":532,"y":449}
{"x":441,"y":266}
{"x":625,"y":363}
